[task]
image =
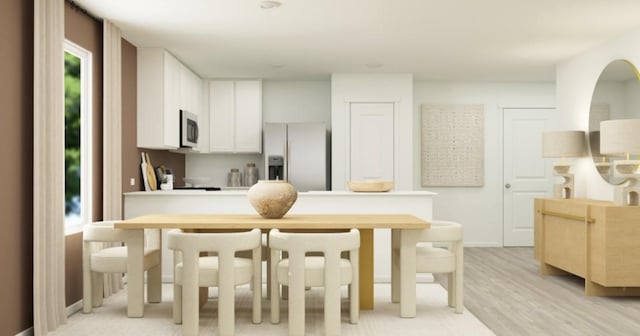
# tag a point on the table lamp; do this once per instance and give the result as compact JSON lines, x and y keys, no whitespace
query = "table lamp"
{"x":621,"y":137}
{"x":563,"y":144}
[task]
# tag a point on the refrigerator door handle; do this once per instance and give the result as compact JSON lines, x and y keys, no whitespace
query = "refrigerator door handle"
{"x":286,"y":162}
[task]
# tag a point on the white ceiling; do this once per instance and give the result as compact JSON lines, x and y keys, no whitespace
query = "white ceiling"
{"x":310,"y":39}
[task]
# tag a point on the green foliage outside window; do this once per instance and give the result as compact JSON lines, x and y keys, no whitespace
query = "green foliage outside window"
{"x":72,"y":133}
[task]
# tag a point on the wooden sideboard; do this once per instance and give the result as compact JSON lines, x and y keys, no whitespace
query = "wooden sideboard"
{"x":596,"y":240}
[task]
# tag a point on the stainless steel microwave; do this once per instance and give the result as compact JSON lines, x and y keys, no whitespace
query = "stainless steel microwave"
{"x":188,"y":129}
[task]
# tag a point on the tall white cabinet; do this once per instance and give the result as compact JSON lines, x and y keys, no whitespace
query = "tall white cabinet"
{"x":165,"y":86}
{"x":235,"y":116}
{"x":356,"y":90}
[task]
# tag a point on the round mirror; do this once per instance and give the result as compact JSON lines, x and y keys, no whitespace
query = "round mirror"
{"x":616,"y":96}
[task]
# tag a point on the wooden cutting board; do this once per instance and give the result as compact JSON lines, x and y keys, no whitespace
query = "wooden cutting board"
{"x":151,"y":174}
{"x":143,"y":169}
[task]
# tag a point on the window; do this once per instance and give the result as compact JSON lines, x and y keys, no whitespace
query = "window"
{"x":77,"y":156}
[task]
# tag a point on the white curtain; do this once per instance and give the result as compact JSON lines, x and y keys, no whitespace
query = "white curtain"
{"x":48,"y":171}
{"x":112,"y":128}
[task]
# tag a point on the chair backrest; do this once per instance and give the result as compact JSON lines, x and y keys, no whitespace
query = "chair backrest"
{"x":314,"y":242}
{"x":105,"y":232}
{"x":441,"y":231}
{"x":229,"y":242}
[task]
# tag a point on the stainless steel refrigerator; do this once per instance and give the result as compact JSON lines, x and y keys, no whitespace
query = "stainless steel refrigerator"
{"x":297,"y":152}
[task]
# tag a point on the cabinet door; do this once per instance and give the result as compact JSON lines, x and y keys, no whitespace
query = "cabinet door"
{"x":190,"y":96}
{"x":221,"y":116}
{"x":171,"y":112}
{"x":203,"y":117}
{"x":371,"y":137}
{"x":192,"y":92}
{"x":248,"y":116}
{"x":150,"y":104}
{"x":185,"y":89}
{"x":195,"y":98}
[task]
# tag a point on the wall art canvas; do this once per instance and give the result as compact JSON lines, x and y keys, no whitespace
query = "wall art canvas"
{"x":452,"y":142}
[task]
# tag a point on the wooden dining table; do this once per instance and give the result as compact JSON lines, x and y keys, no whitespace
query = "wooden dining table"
{"x":403,"y":228}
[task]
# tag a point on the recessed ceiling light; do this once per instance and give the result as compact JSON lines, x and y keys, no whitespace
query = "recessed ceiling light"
{"x":268,"y":4}
{"x":277,"y":65}
{"x":374,"y":65}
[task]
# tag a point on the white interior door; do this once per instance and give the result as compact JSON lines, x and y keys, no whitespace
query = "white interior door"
{"x":526,"y":175}
{"x":371,"y":141}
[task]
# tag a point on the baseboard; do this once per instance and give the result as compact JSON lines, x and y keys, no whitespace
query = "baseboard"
{"x":28,"y":332}
{"x":70,"y":310}
{"x":74,"y":308}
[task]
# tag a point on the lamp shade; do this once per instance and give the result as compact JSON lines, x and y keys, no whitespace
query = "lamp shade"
{"x":560,"y":144}
{"x":594,"y":143}
{"x":620,"y":136}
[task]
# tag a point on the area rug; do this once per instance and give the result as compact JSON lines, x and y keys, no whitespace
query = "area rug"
{"x":434,"y":317}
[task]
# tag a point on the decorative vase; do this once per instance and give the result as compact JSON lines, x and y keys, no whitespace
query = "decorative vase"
{"x":272,"y":198}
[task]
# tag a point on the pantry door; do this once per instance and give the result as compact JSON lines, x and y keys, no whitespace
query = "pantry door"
{"x":526,"y":175}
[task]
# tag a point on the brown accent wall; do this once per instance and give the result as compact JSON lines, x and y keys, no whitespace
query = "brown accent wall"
{"x":16,"y":185}
{"x":130,"y":153}
{"x":16,"y":136}
{"x":73,"y":268}
{"x":86,"y":32}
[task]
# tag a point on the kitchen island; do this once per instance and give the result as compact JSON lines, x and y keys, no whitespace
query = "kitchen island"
{"x":417,"y":203}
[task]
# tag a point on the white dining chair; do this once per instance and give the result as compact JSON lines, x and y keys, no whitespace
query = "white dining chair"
{"x":445,"y":257}
{"x":98,"y":259}
{"x":330,"y":271}
{"x":224,"y":270}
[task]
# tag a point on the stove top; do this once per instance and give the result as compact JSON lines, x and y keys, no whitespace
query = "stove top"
{"x":198,"y":188}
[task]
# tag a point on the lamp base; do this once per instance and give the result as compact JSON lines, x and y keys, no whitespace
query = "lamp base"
{"x":627,"y":194}
{"x":565,"y":188}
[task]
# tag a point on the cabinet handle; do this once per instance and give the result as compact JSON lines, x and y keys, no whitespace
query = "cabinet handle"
{"x":565,"y":216}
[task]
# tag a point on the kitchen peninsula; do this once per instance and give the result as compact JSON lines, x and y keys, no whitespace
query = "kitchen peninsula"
{"x":417,"y":203}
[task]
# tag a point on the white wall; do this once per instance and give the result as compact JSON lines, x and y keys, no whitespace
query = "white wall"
{"x":478,"y":209}
{"x":575,"y":80}
{"x":296,"y":101}
{"x":394,"y":88}
{"x":282,"y":101}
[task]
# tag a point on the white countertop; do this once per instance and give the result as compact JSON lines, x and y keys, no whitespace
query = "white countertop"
{"x":300,"y":194}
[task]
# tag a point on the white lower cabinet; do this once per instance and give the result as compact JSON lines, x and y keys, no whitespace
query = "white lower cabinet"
{"x":235,"y":116}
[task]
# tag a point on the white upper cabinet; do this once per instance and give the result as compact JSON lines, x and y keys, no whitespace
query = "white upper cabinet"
{"x":235,"y":116}
{"x":165,"y":86}
{"x":191,"y":93}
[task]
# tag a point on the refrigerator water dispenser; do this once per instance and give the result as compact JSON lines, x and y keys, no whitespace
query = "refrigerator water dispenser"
{"x":276,"y":167}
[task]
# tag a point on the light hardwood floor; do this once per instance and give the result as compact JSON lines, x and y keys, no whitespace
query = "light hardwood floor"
{"x":505,"y":291}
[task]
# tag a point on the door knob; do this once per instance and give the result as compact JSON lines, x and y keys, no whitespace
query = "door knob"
{"x":507,"y":185}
